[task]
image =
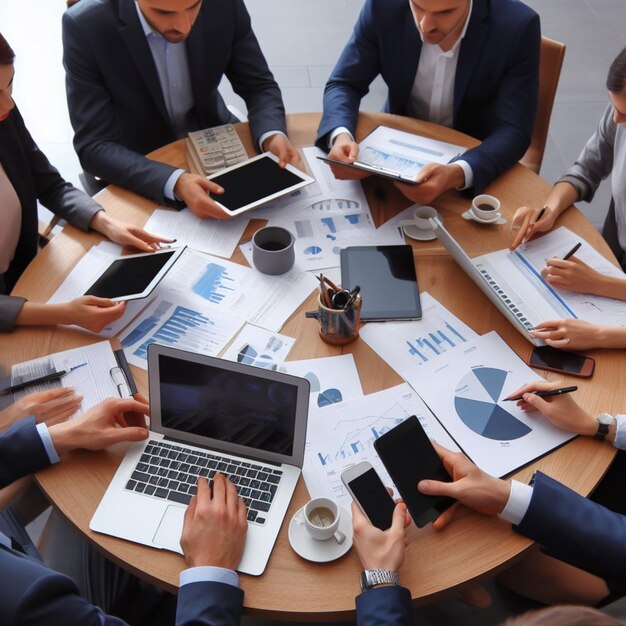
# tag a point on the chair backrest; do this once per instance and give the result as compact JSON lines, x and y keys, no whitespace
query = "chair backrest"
{"x":550,"y":63}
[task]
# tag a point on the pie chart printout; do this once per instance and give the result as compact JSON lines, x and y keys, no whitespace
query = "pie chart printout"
{"x":476,"y":403}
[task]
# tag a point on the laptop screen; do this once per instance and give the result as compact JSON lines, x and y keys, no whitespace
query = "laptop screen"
{"x":234,"y":407}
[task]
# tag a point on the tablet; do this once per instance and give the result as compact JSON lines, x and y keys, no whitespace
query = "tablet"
{"x":256,"y":181}
{"x":372,"y":169}
{"x":135,"y":276}
{"x":386,"y":275}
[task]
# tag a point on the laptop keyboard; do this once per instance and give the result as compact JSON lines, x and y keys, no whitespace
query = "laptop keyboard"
{"x":171,"y":472}
{"x":520,"y":316}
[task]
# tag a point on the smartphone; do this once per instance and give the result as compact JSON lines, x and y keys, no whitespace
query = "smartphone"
{"x":554,"y":360}
{"x":409,"y":456}
{"x":368,"y":491}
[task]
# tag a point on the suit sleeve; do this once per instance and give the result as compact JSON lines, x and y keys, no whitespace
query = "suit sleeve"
{"x":96,"y":139}
{"x":251,"y":78}
{"x":21,"y":451}
{"x":384,"y":606}
{"x":10,"y":307}
{"x":209,"y":604}
{"x":576,"y":530}
{"x":349,"y":81}
{"x":515,"y":111}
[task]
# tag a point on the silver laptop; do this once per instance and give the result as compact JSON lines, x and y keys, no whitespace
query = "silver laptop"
{"x":209,"y":415}
{"x":513,"y":306}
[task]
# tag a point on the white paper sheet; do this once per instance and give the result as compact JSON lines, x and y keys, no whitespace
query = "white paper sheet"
{"x":466,"y":392}
{"x":259,"y":347}
{"x":218,"y":237}
{"x":341,"y":435}
{"x":96,"y":381}
{"x":406,"y":345}
{"x":178,"y":323}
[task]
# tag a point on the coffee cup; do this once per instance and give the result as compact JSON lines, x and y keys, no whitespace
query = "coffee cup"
{"x":273,"y":250}
{"x":321,"y":518}
{"x":422,"y":216}
{"x":485,"y":207}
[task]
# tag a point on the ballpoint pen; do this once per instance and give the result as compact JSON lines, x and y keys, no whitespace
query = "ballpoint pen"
{"x":546,"y":394}
{"x":572,"y":251}
{"x":543,"y":210}
{"x":42,"y":379}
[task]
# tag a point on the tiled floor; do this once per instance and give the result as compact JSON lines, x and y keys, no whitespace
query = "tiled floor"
{"x":302,"y":40}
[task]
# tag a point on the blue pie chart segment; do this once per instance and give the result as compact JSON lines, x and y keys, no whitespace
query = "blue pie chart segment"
{"x":476,"y":405}
{"x":328,"y":397}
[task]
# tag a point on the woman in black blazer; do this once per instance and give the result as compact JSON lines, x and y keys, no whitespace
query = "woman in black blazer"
{"x":26,"y":176}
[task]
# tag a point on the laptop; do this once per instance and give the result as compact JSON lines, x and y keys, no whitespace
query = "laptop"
{"x":210,"y":415}
{"x":524,"y":299}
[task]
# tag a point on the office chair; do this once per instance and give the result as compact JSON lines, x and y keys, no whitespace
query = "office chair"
{"x":550,"y":63}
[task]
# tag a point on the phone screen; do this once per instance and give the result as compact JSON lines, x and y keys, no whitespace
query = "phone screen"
{"x":409,"y":456}
{"x":374,"y":499}
{"x":557,"y":359}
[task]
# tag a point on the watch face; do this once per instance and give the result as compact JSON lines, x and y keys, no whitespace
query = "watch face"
{"x":605,"y":418}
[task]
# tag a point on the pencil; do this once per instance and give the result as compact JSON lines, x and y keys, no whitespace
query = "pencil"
{"x":546,"y":394}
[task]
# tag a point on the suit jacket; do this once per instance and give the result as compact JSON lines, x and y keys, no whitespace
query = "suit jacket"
{"x":34,"y":178}
{"x":31,"y":593}
{"x":576,"y":530}
{"x":496,"y":83}
{"x":114,"y":95}
{"x":390,"y":606}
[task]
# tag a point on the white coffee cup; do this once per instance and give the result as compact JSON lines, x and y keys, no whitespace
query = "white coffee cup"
{"x":485,"y":207}
{"x":321,"y":518}
{"x":422,"y":216}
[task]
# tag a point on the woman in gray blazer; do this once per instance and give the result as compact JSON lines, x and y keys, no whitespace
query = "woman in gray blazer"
{"x":26,"y":176}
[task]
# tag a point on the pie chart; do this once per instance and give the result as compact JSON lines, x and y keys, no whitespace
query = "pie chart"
{"x":476,"y":403}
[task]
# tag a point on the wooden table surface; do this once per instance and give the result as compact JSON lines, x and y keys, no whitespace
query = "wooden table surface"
{"x":474,"y":546}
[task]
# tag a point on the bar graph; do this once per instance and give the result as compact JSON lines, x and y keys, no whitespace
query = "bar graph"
{"x":214,"y":284}
{"x":435,"y":343}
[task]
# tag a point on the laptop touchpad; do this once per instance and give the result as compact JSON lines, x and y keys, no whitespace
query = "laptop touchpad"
{"x":169,"y":530}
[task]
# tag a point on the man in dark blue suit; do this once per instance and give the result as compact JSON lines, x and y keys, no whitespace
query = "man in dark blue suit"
{"x":212,"y":540}
{"x":140,"y":74}
{"x":471,"y":65}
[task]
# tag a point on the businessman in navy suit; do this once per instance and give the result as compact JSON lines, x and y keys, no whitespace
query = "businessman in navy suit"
{"x":31,"y":593}
{"x":471,"y":65}
{"x":140,"y":74}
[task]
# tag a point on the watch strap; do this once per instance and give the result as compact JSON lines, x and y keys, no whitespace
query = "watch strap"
{"x":373,"y":577}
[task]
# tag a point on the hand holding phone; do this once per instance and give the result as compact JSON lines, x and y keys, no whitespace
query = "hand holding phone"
{"x":369,"y":493}
{"x":554,"y":360}
{"x":409,"y":456}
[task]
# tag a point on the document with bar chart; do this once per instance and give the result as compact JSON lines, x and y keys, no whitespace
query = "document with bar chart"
{"x":407,"y":345}
{"x":466,"y":389}
{"x":341,"y":435}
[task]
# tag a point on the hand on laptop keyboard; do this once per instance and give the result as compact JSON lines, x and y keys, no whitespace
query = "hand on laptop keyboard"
{"x":223,"y":514}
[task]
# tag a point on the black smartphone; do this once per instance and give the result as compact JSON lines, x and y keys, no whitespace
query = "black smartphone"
{"x":409,"y":456}
{"x":371,"y":496}
{"x":554,"y":360}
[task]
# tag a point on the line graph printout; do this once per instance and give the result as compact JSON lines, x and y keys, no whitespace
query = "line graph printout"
{"x":341,"y":435}
{"x":406,"y":345}
{"x":466,"y":391}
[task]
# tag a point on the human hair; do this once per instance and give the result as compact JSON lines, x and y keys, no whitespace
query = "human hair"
{"x":616,"y":78}
{"x":6,"y":52}
{"x":563,"y":616}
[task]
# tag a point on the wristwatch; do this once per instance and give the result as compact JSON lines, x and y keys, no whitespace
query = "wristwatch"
{"x":604,"y":422}
{"x":373,"y":577}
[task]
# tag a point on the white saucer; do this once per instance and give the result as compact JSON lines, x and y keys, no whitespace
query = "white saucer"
{"x":419,"y":234}
{"x":319,"y":551}
{"x":498,"y":219}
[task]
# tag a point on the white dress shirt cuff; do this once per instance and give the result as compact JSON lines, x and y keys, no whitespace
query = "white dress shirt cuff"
{"x":209,"y":574}
{"x":268,"y":134}
{"x":518,"y":503}
{"x":620,"y":432}
{"x":469,"y":174}
{"x":44,"y":433}
{"x":168,"y":192}
{"x":336,"y":133}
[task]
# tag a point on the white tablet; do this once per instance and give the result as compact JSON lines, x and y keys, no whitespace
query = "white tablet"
{"x":135,"y":276}
{"x":256,"y":181}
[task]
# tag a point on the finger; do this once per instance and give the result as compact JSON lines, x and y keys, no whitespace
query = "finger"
{"x":204,"y":491}
{"x":438,"y":488}
{"x":446,"y":517}
{"x":139,"y":397}
{"x":103,"y":303}
{"x":536,"y":402}
{"x":44,"y":396}
{"x":398,"y":519}
{"x":144,"y":235}
{"x":558,"y":343}
{"x":213,"y":187}
{"x":358,"y":517}
{"x":130,"y":433}
{"x":231,"y":498}
{"x":219,"y":489}
{"x":127,"y":405}
{"x":353,"y":151}
{"x":538,"y":385}
{"x":190,"y":512}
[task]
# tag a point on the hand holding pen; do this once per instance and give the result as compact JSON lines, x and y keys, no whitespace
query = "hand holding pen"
{"x":529,"y":222}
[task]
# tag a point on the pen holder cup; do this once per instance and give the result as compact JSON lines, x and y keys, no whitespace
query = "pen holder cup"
{"x":338,"y":326}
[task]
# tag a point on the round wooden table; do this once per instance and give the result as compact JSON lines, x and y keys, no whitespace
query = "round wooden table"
{"x":474,"y":546}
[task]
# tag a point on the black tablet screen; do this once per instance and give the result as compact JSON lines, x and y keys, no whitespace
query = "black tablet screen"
{"x":253,"y":182}
{"x":386,"y":275}
{"x":126,"y":277}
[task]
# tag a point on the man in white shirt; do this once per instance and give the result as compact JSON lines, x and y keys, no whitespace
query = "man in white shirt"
{"x":471,"y":65}
{"x":142,"y":73}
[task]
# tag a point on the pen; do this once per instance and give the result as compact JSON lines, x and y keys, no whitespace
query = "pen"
{"x":543,"y":210}
{"x":546,"y":394}
{"x":323,"y":293}
{"x":572,"y":251}
{"x":352,"y":297}
{"x":41,"y":379}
